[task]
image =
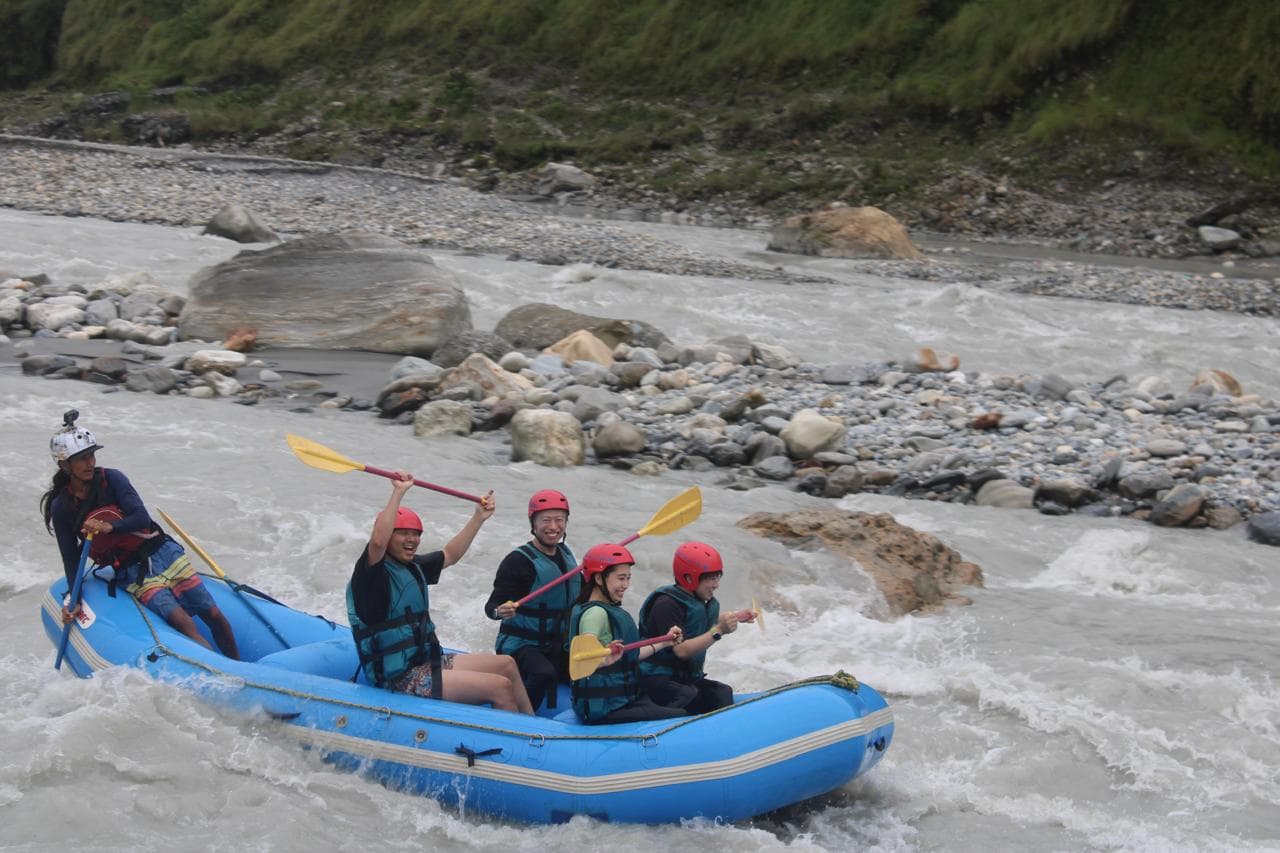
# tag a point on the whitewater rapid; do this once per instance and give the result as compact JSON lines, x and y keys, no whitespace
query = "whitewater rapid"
{"x":1112,"y":687}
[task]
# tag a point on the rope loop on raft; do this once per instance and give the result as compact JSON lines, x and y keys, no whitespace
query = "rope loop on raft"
{"x":845,"y":680}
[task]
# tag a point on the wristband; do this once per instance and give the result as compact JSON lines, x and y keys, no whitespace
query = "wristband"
{"x":717,"y":637}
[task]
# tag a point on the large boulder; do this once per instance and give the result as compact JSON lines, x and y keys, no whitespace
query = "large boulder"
{"x":810,"y":432}
{"x":442,"y":417}
{"x":354,"y":290}
{"x":237,"y":223}
{"x":914,"y":571}
{"x":845,"y":232}
{"x":491,"y":379}
{"x":538,"y":326}
{"x":547,"y":437}
{"x":1265,"y":528}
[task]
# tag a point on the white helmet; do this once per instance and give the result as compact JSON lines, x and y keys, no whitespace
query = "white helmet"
{"x":70,"y":442}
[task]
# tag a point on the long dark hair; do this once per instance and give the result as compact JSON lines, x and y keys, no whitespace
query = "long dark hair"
{"x":60,"y":480}
{"x":584,"y":592}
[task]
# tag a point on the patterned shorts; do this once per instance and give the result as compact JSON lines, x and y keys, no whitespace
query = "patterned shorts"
{"x":417,"y":681}
{"x":172,"y":583}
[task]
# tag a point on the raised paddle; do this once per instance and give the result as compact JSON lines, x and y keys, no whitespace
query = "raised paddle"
{"x":319,"y":456}
{"x":586,"y":652}
{"x":217,"y":570}
{"x":74,"y":601}
{"x":675,"y":513}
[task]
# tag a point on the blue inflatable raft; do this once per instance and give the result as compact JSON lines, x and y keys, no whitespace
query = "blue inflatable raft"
{"x":766,"y":751}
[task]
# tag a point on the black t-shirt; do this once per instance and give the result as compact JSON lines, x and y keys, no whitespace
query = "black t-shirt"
{"x":371,"y":588}
{"x":665,"y":612}
{"x":515,"y":579}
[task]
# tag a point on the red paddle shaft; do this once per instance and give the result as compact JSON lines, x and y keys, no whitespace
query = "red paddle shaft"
{"x":641,"y":643}
{"x":564,"y":577}
{"x":390,"y":475}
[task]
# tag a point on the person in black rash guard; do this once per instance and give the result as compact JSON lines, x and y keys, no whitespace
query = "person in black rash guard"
{"x":388,"y":604}
{"x":675,"y":677}
{"x":534,"y":633}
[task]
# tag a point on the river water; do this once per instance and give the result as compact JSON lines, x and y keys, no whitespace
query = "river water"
{"x":1112,"y":687}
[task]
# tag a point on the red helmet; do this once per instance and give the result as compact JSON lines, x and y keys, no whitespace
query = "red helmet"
{"x":601,"y":558}
{"x":548,"y":499}
{"x":692,"y":561}
{"x":407,"y":519}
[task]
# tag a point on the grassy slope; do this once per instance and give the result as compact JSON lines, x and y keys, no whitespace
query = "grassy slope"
{"x":612,"y":81}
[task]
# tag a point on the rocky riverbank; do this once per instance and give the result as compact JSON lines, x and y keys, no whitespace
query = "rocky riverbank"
{"x":1203,"y":452}
{"x":185,"y":187}
{"x":1204,"y":455}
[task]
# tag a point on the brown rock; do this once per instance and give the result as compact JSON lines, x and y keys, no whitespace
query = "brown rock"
{"x":845,"y":232}
{"x":914,"y":571}
{"x":582,"y":346}
{"x":397,"y":402}
{"x":241,"y":339}
{"x":986,"y":420}
{"x":926,"y":360}
{"x":1223,"y":516}
{"x":1219,"y":380}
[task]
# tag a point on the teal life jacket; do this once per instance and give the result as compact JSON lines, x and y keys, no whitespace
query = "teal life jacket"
{"x":542,"y":622}
{"x":407,"y":638}
{"x":699,"y":616}
{"x":609,"y":687}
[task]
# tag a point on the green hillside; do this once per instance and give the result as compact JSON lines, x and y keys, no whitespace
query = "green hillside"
{"x":514,"y":82}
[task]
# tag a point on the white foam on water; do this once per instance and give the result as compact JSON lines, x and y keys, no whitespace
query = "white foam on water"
{"x":1112,"y":686}
{"x":576,"y":274}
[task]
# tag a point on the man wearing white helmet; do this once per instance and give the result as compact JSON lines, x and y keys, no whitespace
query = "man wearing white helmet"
{"x":84,"y":499}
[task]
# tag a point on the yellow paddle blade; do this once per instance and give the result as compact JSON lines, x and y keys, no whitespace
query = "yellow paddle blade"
{"x":755,"y":608}
{"x":319,"y":456}
{"x":585,"y":654}
{"x":675,"y":513}
{"x":191,"y":543}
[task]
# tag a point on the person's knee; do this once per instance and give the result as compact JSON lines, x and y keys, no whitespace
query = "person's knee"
{"x":507,"y":667}
{"x":504,"y":695}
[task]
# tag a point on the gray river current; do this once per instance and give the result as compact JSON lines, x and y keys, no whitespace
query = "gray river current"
{"x":1112,"y":687}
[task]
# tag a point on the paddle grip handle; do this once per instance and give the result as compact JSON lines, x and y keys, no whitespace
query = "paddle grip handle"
{"x":75,"y":600}
{"x":390,"y":475}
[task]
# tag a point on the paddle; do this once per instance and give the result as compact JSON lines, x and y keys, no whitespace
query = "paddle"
{"x":586,"y":652}
{"x":74,"y":601}
{"x":319,"y":456}
{"x":209,"y":561}
{"x":675,"y":513}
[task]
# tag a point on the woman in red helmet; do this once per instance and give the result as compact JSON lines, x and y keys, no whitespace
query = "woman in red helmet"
{"x":534,"y":633}
{"x":676,"y":676}
{"x":389,"y":607}
{"x":136,"y":553}
{"x":612,"y":693}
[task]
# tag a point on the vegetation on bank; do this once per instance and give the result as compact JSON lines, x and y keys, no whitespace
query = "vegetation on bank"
{"x":894,"y":84}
